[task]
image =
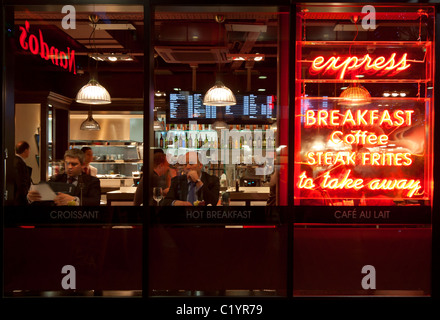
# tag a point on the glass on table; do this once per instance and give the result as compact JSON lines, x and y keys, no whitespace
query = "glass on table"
{"x":157,"y":194}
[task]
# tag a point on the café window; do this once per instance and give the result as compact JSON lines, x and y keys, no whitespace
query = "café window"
{"x":363,"y":150}
{"x":238,"y":137}
{"x":241,"y":139}
{"x":364,"y":107}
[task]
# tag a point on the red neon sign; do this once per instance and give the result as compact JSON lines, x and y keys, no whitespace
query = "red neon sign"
{"x":347,"y":183}
{"x":366,"y":63}
{"x":335,"y":118}
{"x":353,"y":134}
{"x":38,"y":46}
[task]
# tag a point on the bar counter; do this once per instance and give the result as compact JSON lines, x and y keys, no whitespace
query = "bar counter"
{"x":248,"y":195}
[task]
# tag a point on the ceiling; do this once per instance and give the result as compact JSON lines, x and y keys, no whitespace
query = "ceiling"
{"x":186,"y":40}
{"x":192,"y":45}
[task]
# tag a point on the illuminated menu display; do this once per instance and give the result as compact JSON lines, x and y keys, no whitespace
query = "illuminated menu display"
{"x":184,"y":105}
{"x":252,"y":107}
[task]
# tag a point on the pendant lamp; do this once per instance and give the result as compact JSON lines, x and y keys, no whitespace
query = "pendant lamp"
{"x":90,"y":124}
{"x":355,"y":95}
{"x":93,"y":92}
{"x":219,"y":95}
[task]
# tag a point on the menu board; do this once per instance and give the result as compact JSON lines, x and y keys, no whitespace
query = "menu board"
{"x":185,"y":106}
{"x":252,"y":107}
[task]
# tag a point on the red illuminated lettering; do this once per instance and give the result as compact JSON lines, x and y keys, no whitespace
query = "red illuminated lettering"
{"x":38,"y":46}
{"x":336,"y":64}
{"x":333,"y":118}
{"x":346,"y":183}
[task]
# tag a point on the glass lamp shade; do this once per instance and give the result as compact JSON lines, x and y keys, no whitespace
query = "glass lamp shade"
{"x":219,"y":95}
{"x":355,"y":96}
{"x":90,"y":124}
{"x":93,"y":93}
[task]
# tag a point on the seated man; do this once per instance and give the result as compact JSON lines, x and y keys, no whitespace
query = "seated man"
{"x":193,"y":185}
{"x":87,"y":190}
{"x":158,"y":178}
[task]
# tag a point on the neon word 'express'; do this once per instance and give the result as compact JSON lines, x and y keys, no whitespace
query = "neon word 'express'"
{"x":39,"y":46}
{"x":366,"y":63}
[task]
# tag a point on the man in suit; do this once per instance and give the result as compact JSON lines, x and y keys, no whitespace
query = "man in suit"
{"x":88,"y":157}
{"x":158,"y":178}
{"x":193,"y":185}
{"x":23,"y":173}
{"x":86,"y":189}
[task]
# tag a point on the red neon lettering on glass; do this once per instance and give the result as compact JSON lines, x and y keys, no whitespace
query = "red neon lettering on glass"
{"x":332,"y":183}
{"x":354,"y":63}
{"x":384,"y":184}
{"x":333,"y":118}
{"x":39,"y":46}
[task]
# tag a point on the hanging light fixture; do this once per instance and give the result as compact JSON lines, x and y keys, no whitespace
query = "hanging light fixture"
{"x":90,"y":124}
{"x":355,"y":95}
{"x":93,"y":92}
{"x":219,"y":95}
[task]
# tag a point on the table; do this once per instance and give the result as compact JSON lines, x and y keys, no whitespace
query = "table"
{"x":249,"y":194}
{"x":121,"y":196}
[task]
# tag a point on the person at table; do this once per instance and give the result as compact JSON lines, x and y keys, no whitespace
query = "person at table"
{"x":193,"y":185}
{"x":22,"y":178}
{"x":86,"y":191}
{"x":88,"y":157}
{"x":158,"y":177}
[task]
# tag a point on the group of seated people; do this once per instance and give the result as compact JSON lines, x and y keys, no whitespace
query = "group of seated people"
{"x":178,"y":190}
{"x":183,"y":189}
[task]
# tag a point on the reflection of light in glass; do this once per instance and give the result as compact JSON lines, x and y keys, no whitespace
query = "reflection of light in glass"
{"x":394,"y":94}
{"x":318,"y":146}
{"x":261,"y":89}
{"x":360,"y":76}
{"x":262,"y":77}
{"x":343,"y":88}
{"x":355,"y":95}
{"x":403,"y":94}
{"x":386,"y":94}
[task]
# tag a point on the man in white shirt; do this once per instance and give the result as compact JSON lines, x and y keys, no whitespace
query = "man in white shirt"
{"x":88,"y":157}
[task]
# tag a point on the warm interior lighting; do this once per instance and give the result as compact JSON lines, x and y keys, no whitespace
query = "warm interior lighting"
{"x":90,"y":124}
{"x":219,"y":95}
{"x":245,"y":57}
{"x":93,"y":93}
{"x":112,"y":57}
{"x":355,"y":96}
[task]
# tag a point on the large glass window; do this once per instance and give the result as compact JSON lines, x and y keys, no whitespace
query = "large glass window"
{"x":76,"y":75}
{"x":230,"y":147}
{"x":363,"y":149}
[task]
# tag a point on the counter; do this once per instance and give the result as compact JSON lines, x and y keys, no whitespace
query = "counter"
{"x":248,"y":195}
